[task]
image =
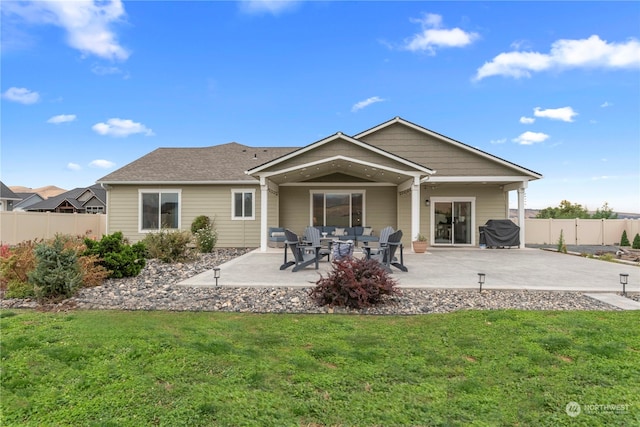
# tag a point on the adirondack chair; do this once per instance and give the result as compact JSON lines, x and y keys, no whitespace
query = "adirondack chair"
{"x":382,"y":242}
{"x":312,"y":238}
{"x":301,"y":257}
{"x":386,"y":255}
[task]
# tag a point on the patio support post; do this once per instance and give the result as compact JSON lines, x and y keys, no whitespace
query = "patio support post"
{"x":415,"y":207}
{"x":521,"y":219}
{"x":264,"y":211}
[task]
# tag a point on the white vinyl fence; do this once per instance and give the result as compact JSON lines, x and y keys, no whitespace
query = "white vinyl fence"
{"x":16,"y":227}
{"x":579,"y":231}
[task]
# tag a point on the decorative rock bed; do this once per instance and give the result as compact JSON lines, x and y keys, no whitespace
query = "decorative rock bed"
{"x":156,"y":289}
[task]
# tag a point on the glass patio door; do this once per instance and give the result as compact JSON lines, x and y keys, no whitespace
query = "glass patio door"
{"x":452,"y":222}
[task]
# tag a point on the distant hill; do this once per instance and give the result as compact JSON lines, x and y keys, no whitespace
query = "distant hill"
{"x":45,"y":192}
{"x":531,"y":213}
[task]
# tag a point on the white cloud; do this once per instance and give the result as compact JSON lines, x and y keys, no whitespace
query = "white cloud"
{"x":362,"y":104}
{"x":498,"y":141}
{"x":592,"y":52}
{"x":565,"y":114}
{"x":101,"y":164}
{"x":121,"y":128}
{"x":21,"y":95}
{"x":433,"y":36}
{"x":88,"y":24}
{"x":530,"y":138}
{"x":606,"y":104}
{"x":62,"y":118}
{"x":273,"y":7}
{"x":74,"y":166}
{"x":527,"y":120}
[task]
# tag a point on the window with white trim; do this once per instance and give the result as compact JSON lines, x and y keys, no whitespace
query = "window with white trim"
{"x":243,"y":204}
{"x":159,"y":209}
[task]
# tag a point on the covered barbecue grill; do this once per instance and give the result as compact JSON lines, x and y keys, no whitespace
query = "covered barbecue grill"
{"x":500,"y":233}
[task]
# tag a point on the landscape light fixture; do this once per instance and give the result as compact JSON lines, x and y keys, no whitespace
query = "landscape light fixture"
{"x":216,"y":274}
{"x":481,"y":277}
{"x":624,"y":279}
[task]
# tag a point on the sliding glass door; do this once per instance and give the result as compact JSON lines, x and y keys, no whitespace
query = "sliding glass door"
{"x":452,"y":222}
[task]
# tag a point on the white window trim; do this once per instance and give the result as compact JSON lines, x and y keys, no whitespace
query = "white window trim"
{"x":142,"y":191}
{"x":235,"y":191}
{"x":334,"y":191}
{"x":434,"y":200}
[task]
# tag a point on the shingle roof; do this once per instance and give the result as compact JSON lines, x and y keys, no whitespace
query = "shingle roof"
{"x":71,"y":196}
{"x":6,"y":193}
{"x":226,"y":162}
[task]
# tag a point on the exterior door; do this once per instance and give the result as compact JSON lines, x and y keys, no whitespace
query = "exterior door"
{"x":452,"y":222}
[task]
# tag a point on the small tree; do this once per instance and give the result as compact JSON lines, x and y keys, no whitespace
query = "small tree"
{"x":624,"y":240}
{"x":605,"y":213}
{"x":636,"y":242}
{"x":562,"y":247}
{"x":566,"y":210}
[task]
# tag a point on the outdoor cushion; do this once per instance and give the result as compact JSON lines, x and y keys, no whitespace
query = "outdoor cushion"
{"x":367,"y":231}
{"x":277,"y":234}
{"x":339,"y":232}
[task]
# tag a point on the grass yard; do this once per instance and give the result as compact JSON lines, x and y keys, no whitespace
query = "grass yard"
{"x":514,"y":368}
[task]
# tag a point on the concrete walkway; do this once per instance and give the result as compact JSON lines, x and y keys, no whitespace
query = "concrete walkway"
{"x":531,"y":269}
{"x":616,"y":301}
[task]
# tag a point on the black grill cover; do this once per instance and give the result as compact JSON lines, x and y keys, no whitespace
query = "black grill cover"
{"x":500,"y":232}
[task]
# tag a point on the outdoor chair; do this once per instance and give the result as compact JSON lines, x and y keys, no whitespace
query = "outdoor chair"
{"x":301,"y":256}
{"x":312,"y":238}
{"x":382,"y":242}
{"x":386,"y":255}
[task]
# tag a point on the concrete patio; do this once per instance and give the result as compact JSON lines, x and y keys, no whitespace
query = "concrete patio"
{"x":531,"y":269}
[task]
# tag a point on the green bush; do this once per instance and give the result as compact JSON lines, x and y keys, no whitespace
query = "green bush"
{"x":57,"y":273}
{"x":206,"y":239}
{"x":624,"y":240}
{"x":354,"y":283}
{"x":169,"y":245}
{"x":636,"y":242}
{"x":116,"y":255}
{"x":18,"y":289}
{"x":199,"y":223}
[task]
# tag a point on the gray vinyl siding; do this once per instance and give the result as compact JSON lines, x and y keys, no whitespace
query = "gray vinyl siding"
{"x":380,"y":207}
{"x":447,"y":159}
{"x":213,"y":201}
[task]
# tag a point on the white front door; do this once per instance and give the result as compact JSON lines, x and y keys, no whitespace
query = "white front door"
{"x":452,"y":221}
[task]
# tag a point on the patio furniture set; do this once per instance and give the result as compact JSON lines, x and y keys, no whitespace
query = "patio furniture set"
{"x":311,"y":248}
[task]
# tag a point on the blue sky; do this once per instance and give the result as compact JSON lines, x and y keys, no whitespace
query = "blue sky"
{"x":552,"y":86}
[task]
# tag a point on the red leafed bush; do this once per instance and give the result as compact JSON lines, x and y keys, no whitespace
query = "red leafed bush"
{"x":354,"y":283}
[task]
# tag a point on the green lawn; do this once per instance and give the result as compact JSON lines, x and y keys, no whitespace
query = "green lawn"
{"x":513,"y":368}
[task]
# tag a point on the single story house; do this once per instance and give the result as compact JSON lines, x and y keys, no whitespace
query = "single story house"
{"x":396,"y":173}
{"x":91,"y":200}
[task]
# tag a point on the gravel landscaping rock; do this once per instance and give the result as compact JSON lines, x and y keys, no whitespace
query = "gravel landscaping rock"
{"x":156,"y":288}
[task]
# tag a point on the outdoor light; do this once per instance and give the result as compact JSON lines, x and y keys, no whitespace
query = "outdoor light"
{"x":624,"y":279}
{"x":216,"y":274}
{"x":427,"y":202}
{"x":481,"y":280}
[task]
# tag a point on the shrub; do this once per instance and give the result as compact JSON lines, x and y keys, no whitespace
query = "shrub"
{"x":199,"y":223}
{"x":354,"y":283}
{"x":636,"y":241}
{"x":206,"y":239}
{"x":624,"y":240}
{"x":168,"y":246}
{"x":116,"y":255}
{"x":57,"y":273}
{"x":18,"y":289}
{"x":20,"y":261}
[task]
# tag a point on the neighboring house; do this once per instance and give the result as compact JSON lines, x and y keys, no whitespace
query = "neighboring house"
{"x":26,"y":200}
{"x":7,"y":198}
{"x":90,"y":200}
{"x":397,"y":173}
